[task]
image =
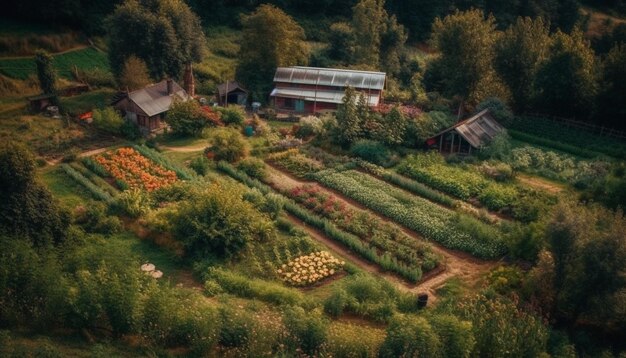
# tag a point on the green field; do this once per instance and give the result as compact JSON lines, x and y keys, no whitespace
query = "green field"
{"x":84,"y":59}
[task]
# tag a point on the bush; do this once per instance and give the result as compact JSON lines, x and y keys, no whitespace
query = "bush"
{"x":130,"y":130}
{"x":227,"y":144}
{"x":94,"y":219}
{"x":253,"y":167}
{"x":372,"y":151}
{"x":308,"y":330}
{"x":232,"y":115}
{"x":108,"y":119}
{"x":412,"y":337}
{"x":187,"y":118}
{"x":133,"y":202}
{"x":200,"y":165}
{"x":500,"y":111}
{"x":309,"y":126}
{"x":217,"y":221}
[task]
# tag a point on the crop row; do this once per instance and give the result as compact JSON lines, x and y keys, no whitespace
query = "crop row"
{"x":432,"y":221}
{"x":97,"y":192}
{"x":162,"y":161}
{"x":571,"y":140}
{"x":370,"y":253}
{"x":294,"y":162}
{"x":383,"y":235}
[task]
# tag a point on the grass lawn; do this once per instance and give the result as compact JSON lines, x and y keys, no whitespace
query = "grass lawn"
{"x":84,"y":59}
{"x":87,"y":101}
{"x":67,"y":190}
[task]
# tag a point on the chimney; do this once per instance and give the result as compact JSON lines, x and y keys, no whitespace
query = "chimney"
{"x":170,"y":86}
{"x":189,"y":83}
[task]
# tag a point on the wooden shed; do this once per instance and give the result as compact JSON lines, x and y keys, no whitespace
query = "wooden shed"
{"x":147,"y":107}
{"x":470,"y":134}
{"x":41,"y":102}
{"x":231,"y":92}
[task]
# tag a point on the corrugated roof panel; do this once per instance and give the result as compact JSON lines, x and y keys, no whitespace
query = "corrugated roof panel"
{"x":331,"y":77}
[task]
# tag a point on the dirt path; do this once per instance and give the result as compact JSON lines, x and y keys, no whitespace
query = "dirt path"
{"x":539,"y":183}
{"x":455,"y":264}
{"x":185,"y":149}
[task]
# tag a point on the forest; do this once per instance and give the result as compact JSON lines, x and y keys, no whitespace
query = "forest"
{"x":238,"y":231}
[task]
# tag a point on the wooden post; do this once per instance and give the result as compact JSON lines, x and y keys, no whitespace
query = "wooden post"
{"x":452,"y":144}
{"x":440,"y":143}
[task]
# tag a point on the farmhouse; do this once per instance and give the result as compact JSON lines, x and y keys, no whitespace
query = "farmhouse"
{"x":231,"y":92}
{"x":312,"y":90}
{"x":467,"y":135}
{"x":147,"y":107}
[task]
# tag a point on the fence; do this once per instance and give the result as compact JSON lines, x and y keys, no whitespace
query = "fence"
{"x":587,"y":127}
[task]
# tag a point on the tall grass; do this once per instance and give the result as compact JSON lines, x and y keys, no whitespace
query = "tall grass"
{"x":97,"y":192}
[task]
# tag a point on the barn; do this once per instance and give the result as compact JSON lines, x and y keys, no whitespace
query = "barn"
{"x":312,"y":90}
{"x":467,"y":135}
{"x":147,"y":107}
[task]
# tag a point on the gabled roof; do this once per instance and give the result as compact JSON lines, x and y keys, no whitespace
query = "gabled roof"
{"x":231,"y":86}
{"x":477,"y":130}
{"x":154,"y":99}
{"x":325,"y":96}
{"x":331,"y":77}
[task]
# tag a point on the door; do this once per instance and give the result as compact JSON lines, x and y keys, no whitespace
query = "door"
{"x":299,"y":105}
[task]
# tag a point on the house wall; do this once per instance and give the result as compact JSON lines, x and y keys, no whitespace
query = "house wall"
{"x":309,"y":106}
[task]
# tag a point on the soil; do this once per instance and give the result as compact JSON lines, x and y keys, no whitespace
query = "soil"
{"x":539,"y":183}
{"x":454,"y":264}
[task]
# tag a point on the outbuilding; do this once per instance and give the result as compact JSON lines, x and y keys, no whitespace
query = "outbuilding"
{"x":231,"y":92}
{"x":148,"y":106}
{"x":467,"y":135}
{"x":304,"y":90}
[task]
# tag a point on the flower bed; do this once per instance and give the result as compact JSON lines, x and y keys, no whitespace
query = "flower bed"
{"x":430,"y":220}
{"x":309,"y":269}
{"x":131,"y":169}
{"x":384,"y":236}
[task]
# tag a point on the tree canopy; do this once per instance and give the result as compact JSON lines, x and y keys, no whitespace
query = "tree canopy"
{"x":270,"y":39}
{"x":165,"y":34}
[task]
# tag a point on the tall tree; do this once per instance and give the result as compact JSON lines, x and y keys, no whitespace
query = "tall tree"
{"x":609,"y":108}
{"x":566,"y":82}
{"x":392,"y":42}
{"x":589,"y":249}
{"x":134,"y":74}
{"x":466,"y":42}
{"x":45,"y":72}
{"x":271,"y":39}
{"x":368,"y":21}
{"x":519,"y":52}
{"x":28,"y":209}
{"x":349,"y":122}
{"x":165,"y":34}
{"x":392,"y":127}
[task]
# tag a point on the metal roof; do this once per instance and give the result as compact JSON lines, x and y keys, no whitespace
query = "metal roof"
{"x":325,"y":96}
{"x":155,"y":100}
{"x":477,"y":130}
{"x":331,"y":77}
{"x":231,"y":86}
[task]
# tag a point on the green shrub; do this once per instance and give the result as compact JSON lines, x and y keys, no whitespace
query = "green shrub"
{"x":253,"y":167}
{"x":200,"y":165}
{"x":307,"y":330}
{"x":372,"y":151}
{"x":227,"y":144}
{"x":95,"y":167}
{"x":108,"y":119}
{"x":236,"y":328}
{"x":232,"y":115}
{"x":133,"y":202}
{"x":412,"y":337}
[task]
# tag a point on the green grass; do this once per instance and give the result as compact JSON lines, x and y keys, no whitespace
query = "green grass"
{"x":84,"y":59}
{"x":87,"y":101}
{"x":64,"y":188}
